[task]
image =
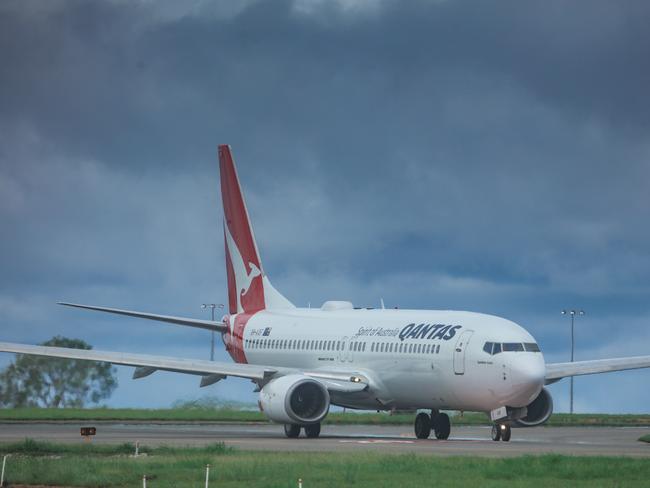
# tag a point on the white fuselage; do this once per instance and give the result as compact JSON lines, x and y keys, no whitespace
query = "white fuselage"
{"x":441,"y":364}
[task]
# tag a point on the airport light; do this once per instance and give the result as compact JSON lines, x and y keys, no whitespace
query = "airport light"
{"x":212,"y":306}
{"x":573,"y":314}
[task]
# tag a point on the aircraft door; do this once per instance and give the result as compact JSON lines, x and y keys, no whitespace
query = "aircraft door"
{"x":459,"y":351}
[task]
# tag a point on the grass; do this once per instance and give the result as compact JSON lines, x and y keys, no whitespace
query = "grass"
{"x":645,"y":438}
{"x":228,"y":414}
{"x":132,"y":414}
{"x":93,"y":466}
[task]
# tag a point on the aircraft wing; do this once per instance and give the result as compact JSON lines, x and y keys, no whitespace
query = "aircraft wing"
{"x":211,"y":371}
{"x":557,"y":371}
{"x":191,"y":366}
{"x":201,"y":324}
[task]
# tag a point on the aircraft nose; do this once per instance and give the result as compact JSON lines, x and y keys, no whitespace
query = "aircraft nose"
{"x":527,"y":374}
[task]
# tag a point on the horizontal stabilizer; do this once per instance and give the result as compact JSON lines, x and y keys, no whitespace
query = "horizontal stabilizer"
{"x":557,"y":371}
{"x":201,"y":324}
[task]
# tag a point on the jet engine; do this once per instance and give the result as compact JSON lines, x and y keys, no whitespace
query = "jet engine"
{"x":294,"y":399}
{"x":538,"y":411}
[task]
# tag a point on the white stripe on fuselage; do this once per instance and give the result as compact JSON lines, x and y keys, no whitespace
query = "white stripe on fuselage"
{"x":403,"y":372}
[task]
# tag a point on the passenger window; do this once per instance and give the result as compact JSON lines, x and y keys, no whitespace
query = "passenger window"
{"x":438,"y":349}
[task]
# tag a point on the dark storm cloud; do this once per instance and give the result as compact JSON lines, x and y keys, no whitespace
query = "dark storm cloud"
{"x":490,"y":156}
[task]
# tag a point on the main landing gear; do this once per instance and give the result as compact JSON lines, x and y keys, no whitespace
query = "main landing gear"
{"x":293,"y":430}
{"x":501,"y":432}
{"x":438,"y":422}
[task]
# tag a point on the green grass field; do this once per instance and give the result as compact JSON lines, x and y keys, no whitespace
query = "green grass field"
{"x":645,"y":438}
{"x":94,"y":466}
{"x":239,"y":415}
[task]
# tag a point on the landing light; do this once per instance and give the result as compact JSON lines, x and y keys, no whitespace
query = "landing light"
{"x":355,"y":379}
{"x":503,"y":426}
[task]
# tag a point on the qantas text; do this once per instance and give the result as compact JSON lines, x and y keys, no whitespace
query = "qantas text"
{"x":413,"y":331}
{"x":429,"y":331}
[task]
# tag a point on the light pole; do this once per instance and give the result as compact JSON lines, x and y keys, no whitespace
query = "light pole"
{"x":212,"y":306}
{"x":573,"y":314}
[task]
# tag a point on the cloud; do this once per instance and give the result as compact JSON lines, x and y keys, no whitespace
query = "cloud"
{"x":436,"y":154}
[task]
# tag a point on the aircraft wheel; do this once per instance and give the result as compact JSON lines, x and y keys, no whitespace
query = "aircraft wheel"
{"x":292,"y":431}
{"x":422,"y":426}
{"x":506,"y":433}
{"x":442,"y":426}
{"x":312,"y":430}
{"x":496,"y":432}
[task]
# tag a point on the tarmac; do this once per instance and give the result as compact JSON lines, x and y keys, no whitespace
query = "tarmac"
{"x":464,"y":441}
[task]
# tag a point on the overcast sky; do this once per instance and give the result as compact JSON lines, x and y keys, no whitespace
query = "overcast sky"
{"x":484,"y":156}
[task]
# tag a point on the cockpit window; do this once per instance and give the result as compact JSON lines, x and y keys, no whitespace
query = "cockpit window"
{"x":497,"y":347}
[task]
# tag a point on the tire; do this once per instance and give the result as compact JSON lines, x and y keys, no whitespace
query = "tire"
{"x":506,"y":433}
{"x":422,"y":426}
{"x":442,"y":426}
{"x":312,"y":430}
{"x":292,"y":431}
{"x":496,"y":432}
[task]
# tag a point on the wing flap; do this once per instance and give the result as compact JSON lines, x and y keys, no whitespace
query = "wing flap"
{"x":189,"y":366}
{"x":556,"y":371}
{"x":201,"y":324}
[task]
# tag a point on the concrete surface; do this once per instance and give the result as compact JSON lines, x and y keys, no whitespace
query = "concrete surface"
{"x":584,"y":441}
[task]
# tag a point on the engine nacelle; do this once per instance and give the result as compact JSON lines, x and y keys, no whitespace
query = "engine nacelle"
{"x":295,"y":399}
{"x":538,"y":411}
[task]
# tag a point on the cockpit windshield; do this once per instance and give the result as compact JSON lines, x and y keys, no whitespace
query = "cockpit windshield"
{"x":497,"y":347}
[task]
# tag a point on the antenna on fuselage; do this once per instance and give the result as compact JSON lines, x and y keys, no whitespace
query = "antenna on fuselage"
{"x":382,"y":303}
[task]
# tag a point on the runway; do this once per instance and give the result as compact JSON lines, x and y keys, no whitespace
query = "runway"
{"x":474,"y":441}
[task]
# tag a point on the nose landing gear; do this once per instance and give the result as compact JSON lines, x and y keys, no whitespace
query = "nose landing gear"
{"x":438,"y":422}
{"x":501,"y":432}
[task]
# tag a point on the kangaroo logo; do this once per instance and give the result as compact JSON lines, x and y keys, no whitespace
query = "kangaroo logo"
{"x":243,"y":278}
{"x":255,"y":272}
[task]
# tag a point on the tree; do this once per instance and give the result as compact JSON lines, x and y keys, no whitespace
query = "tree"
{"x":40,"y":381}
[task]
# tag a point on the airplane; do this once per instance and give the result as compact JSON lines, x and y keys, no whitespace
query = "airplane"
{"x":303,"y":360}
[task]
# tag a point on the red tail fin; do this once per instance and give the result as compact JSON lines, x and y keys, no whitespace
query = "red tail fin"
{"x":249,"y":290}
